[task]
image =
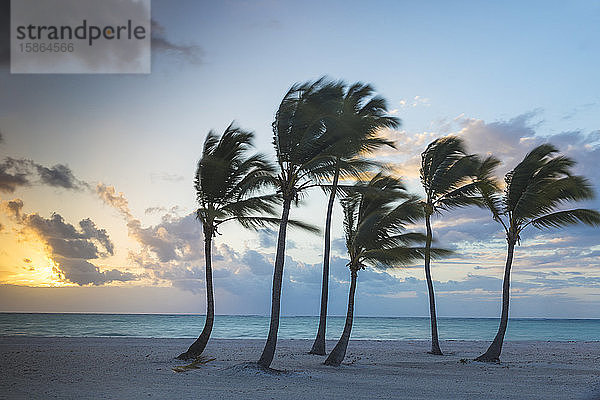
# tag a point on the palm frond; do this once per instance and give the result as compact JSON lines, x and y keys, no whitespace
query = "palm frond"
{"x":399,"y":256}
{"x":375,"y":216}
{"x":569,"y":217}
{"x":447,"y":174}
{"x":256,"y":222}
{"x":228,"y":177}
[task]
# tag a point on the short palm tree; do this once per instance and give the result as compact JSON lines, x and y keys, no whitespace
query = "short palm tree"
{"x":375,"y":217}
{"x":447,"y":173}
{"x":355,"y":133}
{"x":300,"y":140}
{"x":535,"y":194}
{"x":227,"y":182}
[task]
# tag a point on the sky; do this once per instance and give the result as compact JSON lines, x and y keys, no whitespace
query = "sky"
{"x":96,"y":171}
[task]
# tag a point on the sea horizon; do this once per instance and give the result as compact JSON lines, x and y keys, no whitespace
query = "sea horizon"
{"x":177,"y":325}
{"x":284,"y":316}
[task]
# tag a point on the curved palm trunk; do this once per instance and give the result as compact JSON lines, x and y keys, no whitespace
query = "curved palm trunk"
{"x":339,"y":351}
{"x":493,"y":352}
{"x":435,"y":344}
{"x":198,"y":346}
{"x":318,"y":346}
{"x":266,"y":357}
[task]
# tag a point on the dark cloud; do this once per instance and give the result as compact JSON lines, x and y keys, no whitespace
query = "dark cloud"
{"x":154,"y":210}
{"x":83,"y":272}
{"x":60,"y":176}
{"x":90,"y":231}
{"x":14,"y":208}
{"x":73,"y":248}
{"x":70,"y":247}
{"x":15,"y":173}
{"x":160,"y":43}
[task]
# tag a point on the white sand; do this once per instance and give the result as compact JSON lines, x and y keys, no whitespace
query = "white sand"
{"x":122,"y":368}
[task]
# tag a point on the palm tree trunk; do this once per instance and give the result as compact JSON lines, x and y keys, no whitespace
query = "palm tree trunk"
{"x":266,"y":357}
{"x":318,"y":346}
{"x":339,"y":351}
{"x":435,"y":344}
{"x":198,"y":346}
{"x":493,"y":352}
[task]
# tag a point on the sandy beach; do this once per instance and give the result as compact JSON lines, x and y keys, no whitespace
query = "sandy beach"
{"x":126,"y":368}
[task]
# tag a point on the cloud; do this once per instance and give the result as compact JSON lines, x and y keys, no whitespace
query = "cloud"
{"x":160,"y":43}
{"x":60,"y":176}
{"x":267,"y":238}
{"x":13,"y":207}
{"x":165,"y":176}
{"x":414,"y":102}
{"x":168,"y":241}
{"x":171,"y":250}
{"x":83,"y":272}
{"x":15,"y":173}
{"x":70,"y":247}
{"x":509,"y":140}
{"x":117,"y":200}
{"x":154,"y":210}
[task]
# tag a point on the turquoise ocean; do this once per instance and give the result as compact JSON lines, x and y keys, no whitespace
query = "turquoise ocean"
{"x":256,"y":327}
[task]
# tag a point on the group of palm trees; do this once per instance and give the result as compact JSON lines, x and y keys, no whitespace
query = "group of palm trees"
{"x":323,"y":134}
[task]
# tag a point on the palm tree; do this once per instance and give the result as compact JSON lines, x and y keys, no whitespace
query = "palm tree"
{"x":536,"y":191}
{"x":355,"y":133}
{"x":375,"y":217}
{"x":300,"y":140}
{"x":227,"y":180}
{"x":446,"y":176}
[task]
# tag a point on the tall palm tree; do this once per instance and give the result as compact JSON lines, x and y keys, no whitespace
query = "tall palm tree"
{"x":300,"y":140}
{"x":355,"y":133}
{"x":536,"y":191}
{"x":227,"y":181}
{"x":375,"y":216}
{"x":447,"y":173}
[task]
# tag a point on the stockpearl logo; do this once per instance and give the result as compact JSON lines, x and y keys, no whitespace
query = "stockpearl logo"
{"x":80,"y":36}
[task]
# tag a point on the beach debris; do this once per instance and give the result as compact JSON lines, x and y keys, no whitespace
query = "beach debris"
{"x":196,"y":364}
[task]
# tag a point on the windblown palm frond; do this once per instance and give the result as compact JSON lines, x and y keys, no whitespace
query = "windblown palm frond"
{"x":227,"y":179}
{"x":300,"y":122}
{"x":376,"y":214}
{"x":447,"y":174}
{"x":539,"y":187}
